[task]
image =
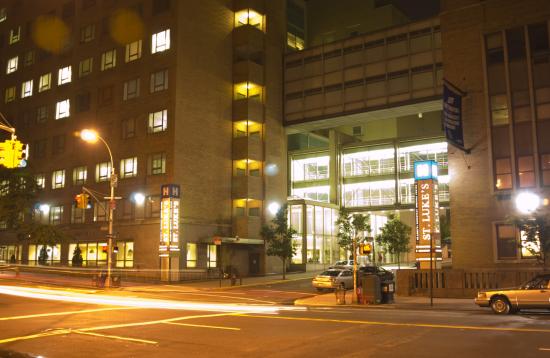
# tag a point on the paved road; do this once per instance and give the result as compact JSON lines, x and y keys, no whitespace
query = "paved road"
{"x":70,"y":329}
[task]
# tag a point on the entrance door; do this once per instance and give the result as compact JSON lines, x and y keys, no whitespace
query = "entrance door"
{"x":254,"y":263}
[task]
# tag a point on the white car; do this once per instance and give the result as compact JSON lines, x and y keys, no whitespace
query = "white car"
{"x":347,"y":264}
{"x":333,"y":278}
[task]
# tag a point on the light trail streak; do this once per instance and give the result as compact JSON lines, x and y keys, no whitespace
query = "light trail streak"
{"x":68,"y":296}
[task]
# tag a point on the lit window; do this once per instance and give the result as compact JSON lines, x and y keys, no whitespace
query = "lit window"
{"x":133,"y":51}
{"x":157,"y":164}
{"x":45,"y":82}
{"x":12,"y":64}
{"x":131,"y":89}
{"x":125,"y":254}
{"x":102,"y":172}
{"x":56,"y":215}
{"x":28,"y":58}
{"x":294,"y":42}
{"x":9,"y":94}
{"x":87,"y":33}
{"x":503,"y":171}
{"x":15,"y":35}
{"x":40,"y":180}
{"x":160,"y":41}
{"x":212,"y":256}
{"x":85,"y":67}
{"x":191,"y":255}
{"x":159,"y":81}
{"x":247,"y":90}
{"x":26,"y":89}
{"x":58,"y":179}
{"x":526,"y":171}
{"x":79,"y":175}
{"x":249,"y":17}
{"x":108,"y":60}
{"x":247,"y":128}
{"x":3,"y":14}
{"x":128,"y":167}
{"x":62,"y":109}
{"x":158,"y":121}
{"x":64,"y":75}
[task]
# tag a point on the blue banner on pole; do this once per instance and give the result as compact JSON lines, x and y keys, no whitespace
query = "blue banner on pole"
{"x":452,"y":115}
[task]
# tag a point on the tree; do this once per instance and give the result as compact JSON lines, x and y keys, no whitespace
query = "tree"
{"x":17,"y":196}
{"x":535,"y":233}
{"x":395,"y":237}
{"x":77,"y":259}
{"x":279,"y":238}
{"x":351,"y":229}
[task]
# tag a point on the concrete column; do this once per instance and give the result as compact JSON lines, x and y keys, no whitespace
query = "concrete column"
{"x":334,"y":167}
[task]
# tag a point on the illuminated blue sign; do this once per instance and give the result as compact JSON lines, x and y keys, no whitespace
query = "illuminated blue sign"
{"x":426,"y":169}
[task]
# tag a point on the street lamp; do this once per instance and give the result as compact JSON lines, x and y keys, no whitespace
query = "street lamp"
{"x":527,"y":202}
{"x":91,"y":136}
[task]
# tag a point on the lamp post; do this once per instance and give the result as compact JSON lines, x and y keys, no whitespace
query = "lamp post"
{"x":91,"y":136}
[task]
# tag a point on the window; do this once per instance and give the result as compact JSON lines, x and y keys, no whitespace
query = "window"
{"x":247,"y":90}
{"x":83,"y":101}
{"x":131,"y":89}
{"x":62,"y":109}
{"x":45,"y":82}
{"x":126,"y":209}
{"x":68,"y":9}
{"x":26,"y":89}
{"x":212,"y":256}
{"x":248,"y":17}
{"x":64,"y":75}
{"x":191,"y":255}
{"x":105,"y":96}
{"x":125,"y":254}
{"x":12,"y":65}
{"x":133,"y":51}
{"x":499,"y":110}
{"x":158,"y":121}
{"x":58,"y":144}
{"x":102,"y":172}
{"x":108,"y":60}
{"x":78,"y":216}
{"x":58,"y":179}
{"x":294,"y":42}
{"x":160,"y":41}
{"x":44,"y":255}
{"x":3,"y":14}
{"x":41,"y":114}
{"x":28,"y":59}
{"x":15,"y":35}
{"x":93,"y":253}
{"x":9,"y":94}
{"x":40,"y":181}
{"x":503,"y":170}
{"x":506,"y":241}
{"x":128,"y":128}
{"x":87,"y":33}
{"x":100,"y":211}
{"x":526,"y":171}
{"x":39,"y":148}
{"x":79,"y":175}
{"x":157,"y":164}
{"x":85,"y":67}
{"x":128,"y":167}
{"x":152,"y":207}
{"x":87,"y":4}
{"x":159,"y":81}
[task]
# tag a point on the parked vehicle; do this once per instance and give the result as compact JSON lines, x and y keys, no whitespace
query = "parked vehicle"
{"x":332,"y":279}
{"x":532,"y":294}
{"x":384,"y":274}
{"x":347,"y":264}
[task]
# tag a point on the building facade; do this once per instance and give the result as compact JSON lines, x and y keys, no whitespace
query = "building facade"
{"x":187,"y":100}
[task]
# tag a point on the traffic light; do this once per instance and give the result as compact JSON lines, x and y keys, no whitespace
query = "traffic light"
{"x":365,"y":249}
{"x":13,"y":153}
{"x":82,"y":201}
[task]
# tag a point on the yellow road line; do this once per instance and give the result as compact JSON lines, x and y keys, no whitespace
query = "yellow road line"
{"x":115,"y":337}
{"x":203,"y":326}
{"x":423,"y":325}
{"x":63,"y":313}
{"x":38,"y":335}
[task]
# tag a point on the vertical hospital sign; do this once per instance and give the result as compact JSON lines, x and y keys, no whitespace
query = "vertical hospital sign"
{"x":427,"y":214}
{"x":169,"y":219}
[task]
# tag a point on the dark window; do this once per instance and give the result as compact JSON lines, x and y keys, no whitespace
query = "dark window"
{"x":83,"y":102}
{"x":68,"y":10}
{"x":506,"y":242}
{"x":128,"y":128}
{"x":88,"y":3}
{"x":538,"y":38}
{"x":58,"y":144}
{"x":105,"y":96}
{"x":160,"y":6}
{"x":516,"y":43}
{"x":39,"y":148}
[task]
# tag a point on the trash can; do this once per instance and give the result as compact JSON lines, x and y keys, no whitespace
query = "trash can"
{"x":116,"y":280}
{"x":340,"y":294}
{"x":388,"y":289}
{"x":370,"y":289}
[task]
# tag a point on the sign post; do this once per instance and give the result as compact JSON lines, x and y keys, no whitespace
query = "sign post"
{"x":169,"y":250}
{"x":428,"y":241}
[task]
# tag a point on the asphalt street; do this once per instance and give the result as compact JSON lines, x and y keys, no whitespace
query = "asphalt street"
{"x":54,"y":326}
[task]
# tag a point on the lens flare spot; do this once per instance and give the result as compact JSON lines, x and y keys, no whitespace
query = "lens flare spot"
{"x":126,"y":26}
{"x":50,"y":33}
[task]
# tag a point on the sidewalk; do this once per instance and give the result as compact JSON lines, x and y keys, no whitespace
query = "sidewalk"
{"x":400,"y":302}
